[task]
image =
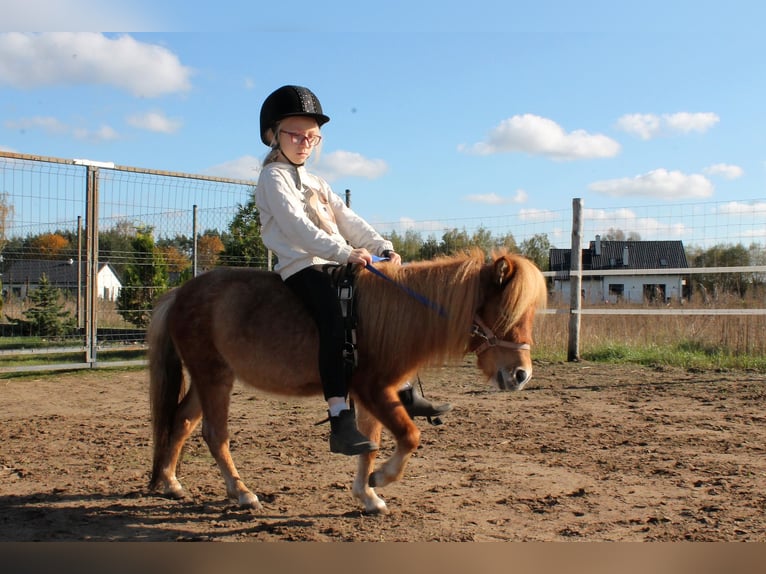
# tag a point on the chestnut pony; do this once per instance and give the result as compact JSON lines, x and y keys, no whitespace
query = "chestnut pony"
{"x":245,"y":324}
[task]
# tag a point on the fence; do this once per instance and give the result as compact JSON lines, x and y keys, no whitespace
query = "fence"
{"x":96,"y":207}
{"x":46,"y":200}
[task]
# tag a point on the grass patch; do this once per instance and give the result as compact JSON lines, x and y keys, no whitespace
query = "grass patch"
{"x":684,"y":354}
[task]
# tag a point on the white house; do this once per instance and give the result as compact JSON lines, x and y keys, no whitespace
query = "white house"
{"x":21,"y":277}
{"x":633,"y":256}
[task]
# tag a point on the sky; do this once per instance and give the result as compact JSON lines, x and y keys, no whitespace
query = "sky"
{"x":440,"y":111}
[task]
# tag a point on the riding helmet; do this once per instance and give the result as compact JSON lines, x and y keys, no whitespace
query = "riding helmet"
{"x":289,"y":101}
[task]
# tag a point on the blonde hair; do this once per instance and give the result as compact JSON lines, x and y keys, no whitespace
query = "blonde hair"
{"x":274,"y":152}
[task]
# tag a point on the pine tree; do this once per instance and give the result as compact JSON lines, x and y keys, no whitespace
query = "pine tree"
{"x":145,"y":279}
{"x":47,"y":316}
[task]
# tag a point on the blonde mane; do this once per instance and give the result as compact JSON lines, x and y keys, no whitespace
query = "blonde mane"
{"x":409,"y":329}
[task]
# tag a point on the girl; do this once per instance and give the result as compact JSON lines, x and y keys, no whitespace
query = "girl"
{"x":307,"y":225}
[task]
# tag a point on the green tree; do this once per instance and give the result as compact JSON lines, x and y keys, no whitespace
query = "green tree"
{"x":538,"y":249}
{"x":454,"y":241}
{"x":47,"y":316}
{"x":145,"y":279}
{"x":723,"y":256}
{"x":242,"y":245}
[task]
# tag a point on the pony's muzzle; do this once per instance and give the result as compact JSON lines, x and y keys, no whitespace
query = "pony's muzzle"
{"x":515,"y":381}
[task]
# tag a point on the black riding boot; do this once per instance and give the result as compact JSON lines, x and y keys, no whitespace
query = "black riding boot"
{"x":418,"y":406}
{"x":345,"y":438}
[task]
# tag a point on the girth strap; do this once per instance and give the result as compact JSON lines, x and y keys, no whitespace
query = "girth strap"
{"x":344,"y":278}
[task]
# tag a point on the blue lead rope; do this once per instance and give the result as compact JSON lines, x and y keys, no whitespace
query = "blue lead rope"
{"x":414,"y":294}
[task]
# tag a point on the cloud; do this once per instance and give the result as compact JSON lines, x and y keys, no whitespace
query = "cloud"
{"x":155,"y":122}
{"x":754,"y":208}
{"x":67,"y":58}
{"x":627,"y":220}
{"x":520,"y":196}
{"x":536,"y":135}
{"x":658,"y":183}
{"x":725,"y":170}
{"x":649,"y":126}
{"x":345,"y":163}
{"x":535,"y":215}
{"x":55,"y":127}
{"x":246,"y":167}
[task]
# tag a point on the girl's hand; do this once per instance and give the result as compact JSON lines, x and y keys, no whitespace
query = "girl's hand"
{"x":360,"y":256}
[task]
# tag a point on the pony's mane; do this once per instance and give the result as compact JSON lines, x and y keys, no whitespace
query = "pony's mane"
{"x":407,"y":328}
{"x":526,"y":291}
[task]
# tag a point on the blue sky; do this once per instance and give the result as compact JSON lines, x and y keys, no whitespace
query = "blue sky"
{"x":439,"y":111}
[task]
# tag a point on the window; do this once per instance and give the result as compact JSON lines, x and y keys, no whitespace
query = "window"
{"x":616,"y":290}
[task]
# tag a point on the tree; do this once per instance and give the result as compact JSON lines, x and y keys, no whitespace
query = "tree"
{"x":145,"y":279}
{"x":114,"y":245}
{"x":454,"y":241}
{"x":49,"y":245}
{"x":537,"y":248}
{"x":724,"y":256}
{"x":47,"y":317}
{"x":6,"y":212}
{"x":209,"y":247}
{"x":242,"y":245}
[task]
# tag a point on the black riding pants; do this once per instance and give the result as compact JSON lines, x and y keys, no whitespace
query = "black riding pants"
{"x":315,"y":289}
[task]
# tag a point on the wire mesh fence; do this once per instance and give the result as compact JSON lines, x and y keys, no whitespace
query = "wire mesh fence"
{"x":108,"y":239}
{"x":77,"y":236}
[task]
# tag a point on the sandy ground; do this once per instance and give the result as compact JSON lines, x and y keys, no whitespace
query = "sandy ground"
{"x":585,"y":452}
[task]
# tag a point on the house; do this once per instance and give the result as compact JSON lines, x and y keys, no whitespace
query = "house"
{"x":21,"y":277}
{"x":637,"y":257}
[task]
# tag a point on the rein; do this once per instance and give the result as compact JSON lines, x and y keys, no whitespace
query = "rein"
{"x":481,"y":330}
{"x":414,"y":294}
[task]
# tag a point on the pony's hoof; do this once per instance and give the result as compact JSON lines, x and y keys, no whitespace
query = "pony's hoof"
{"x":174,"y":493}
{"x":380,"y":509}
{"x":249,"y":500}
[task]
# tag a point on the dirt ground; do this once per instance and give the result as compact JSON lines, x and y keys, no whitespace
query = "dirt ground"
{"x":585,"y":452}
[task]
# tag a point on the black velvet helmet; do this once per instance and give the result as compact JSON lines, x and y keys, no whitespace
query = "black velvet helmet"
{"x":289,"y":101}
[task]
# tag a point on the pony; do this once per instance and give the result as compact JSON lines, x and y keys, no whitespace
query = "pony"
{"x":244,"y":324}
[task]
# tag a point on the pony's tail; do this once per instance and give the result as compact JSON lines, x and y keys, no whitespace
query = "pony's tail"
{"x":166,"y":382}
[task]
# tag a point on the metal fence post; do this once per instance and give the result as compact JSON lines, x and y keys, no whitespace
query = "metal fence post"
{"x":91,"y":265}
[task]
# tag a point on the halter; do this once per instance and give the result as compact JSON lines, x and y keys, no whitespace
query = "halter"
{"x":481,"y":330}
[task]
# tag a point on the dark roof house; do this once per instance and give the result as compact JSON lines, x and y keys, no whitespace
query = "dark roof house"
{"x":25,"y":274}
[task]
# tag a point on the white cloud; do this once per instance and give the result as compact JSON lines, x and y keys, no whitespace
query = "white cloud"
{"x":246,"y":167}
{"x":520,"y":196}
{"x":648,"y":126}
{"x":155,"y":122}
{"x":627,"y":220}
{"x":645,"y":126}
{"x":658,"y":183}
{"x":536,"y":135}
{"x":340,"y":163}
{"x":102,"y":134}
{"x":536,"y":215}
{"x":68,"y":58}
{"x":756,"y":208}
{"x":55,"y":127}
{"x":725,"y":170}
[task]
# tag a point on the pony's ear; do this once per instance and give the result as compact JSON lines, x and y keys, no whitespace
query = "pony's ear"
{"x":503,"y":270}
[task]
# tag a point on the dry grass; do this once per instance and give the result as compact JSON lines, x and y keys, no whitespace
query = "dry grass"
{"x":737,"y":340}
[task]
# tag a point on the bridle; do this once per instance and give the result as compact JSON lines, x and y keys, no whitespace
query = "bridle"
{"x":480,"y":329}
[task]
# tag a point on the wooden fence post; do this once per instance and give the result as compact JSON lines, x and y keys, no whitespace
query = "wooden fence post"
{"x":575,"y":280}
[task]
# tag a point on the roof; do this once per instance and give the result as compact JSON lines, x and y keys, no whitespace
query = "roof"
{"x":612,"y":255}
{"x":58,"y":272}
